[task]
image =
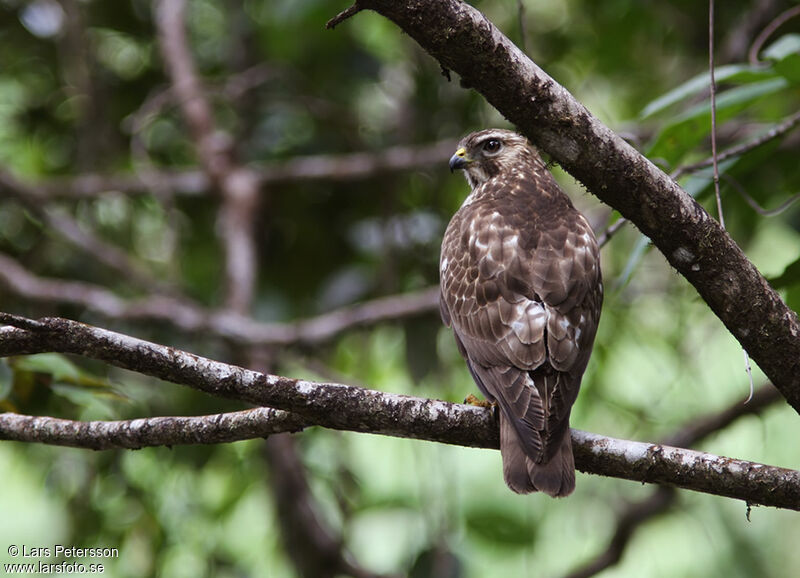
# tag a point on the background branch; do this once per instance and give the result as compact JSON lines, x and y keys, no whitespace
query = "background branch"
{"x":334,"y":168}
{"x":66,"y":227}
{"x":238,"y":184}
{"x":315,"y":549}
{"x":635,"y":514}
{"x":738,"y":150}
{"x":191,"y":317}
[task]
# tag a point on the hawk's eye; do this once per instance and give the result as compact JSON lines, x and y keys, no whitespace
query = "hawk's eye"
{"x":492,"y":146}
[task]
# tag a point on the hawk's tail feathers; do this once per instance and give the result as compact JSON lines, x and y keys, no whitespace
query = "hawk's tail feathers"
{"x":555,"y":478}
{"x":515,"y":470}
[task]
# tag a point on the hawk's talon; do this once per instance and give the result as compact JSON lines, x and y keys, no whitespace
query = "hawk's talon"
{"x":478,"y":402}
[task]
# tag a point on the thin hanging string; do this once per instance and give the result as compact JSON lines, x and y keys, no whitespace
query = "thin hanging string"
{"x":747,"y":366}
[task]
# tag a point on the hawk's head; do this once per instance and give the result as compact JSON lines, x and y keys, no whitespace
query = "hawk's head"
{"x":488,"y":153}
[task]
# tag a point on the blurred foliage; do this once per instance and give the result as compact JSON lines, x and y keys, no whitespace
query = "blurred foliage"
{"x":73,"y":86}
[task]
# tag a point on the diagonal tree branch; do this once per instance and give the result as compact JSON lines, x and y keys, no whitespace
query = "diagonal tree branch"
{"x":636,"y":514}
{"x":65,"y":226}
{"x":462,"y":39}
{"x":315,"y":548}
{"x":632,"y":517}
{"x":776,"y":131}
{"x":700,"y":428}
{"x":338,"y":406}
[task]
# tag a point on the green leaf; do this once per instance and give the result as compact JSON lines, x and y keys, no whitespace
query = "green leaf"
{"x":61,"y":369}
{"x":688,"y":129}
{"x":732,"y":73}
{"x":783,"y":47}
{"x":789,"y":277}
{"x":785,"y":52}
{"x":55,"y":364}
{"x":501,"y":528}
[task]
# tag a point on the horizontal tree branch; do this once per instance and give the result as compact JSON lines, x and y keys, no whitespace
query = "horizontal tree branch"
{"x":312,"y":168}
{"x":683,"y":468}
{"x":330,"y":405}
{"x":152,"y":431}
{"x":462,"y":39}
{"x":190,"y":316}
{"x":343,"y":407}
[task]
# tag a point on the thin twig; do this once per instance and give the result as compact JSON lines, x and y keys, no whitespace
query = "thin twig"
{"x":66,"y":227}
{"x":521,"y":21}
{"x":754,"y":205}
{"x":736,"y":151}
{"x":713,"y":88}
{"x":700,"y":428}
{"x":605,"y":237}
{"x":752,"y":54}
{"x":343,"y":15}
{"x":715,"y":157}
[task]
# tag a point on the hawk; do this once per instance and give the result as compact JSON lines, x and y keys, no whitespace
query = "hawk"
{"x":521,"y":289}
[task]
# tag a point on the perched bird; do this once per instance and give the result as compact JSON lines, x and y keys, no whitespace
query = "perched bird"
{"x":521,"y":288}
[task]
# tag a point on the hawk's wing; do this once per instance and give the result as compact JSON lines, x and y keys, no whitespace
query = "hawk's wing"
{"x":521,"y":289}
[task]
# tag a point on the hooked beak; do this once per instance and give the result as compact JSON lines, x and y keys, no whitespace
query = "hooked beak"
{"x":459,"y":160}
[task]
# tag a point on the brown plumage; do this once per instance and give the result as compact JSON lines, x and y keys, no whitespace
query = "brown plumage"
{"x":521,"y":288}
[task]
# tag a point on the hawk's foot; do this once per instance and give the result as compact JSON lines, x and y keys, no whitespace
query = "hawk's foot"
{"x":477,"y":402}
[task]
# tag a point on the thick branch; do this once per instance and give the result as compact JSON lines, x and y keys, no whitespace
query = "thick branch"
{"x":351,"y":408}
{"x":682,"y":468}
{"x":463,"y":40}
